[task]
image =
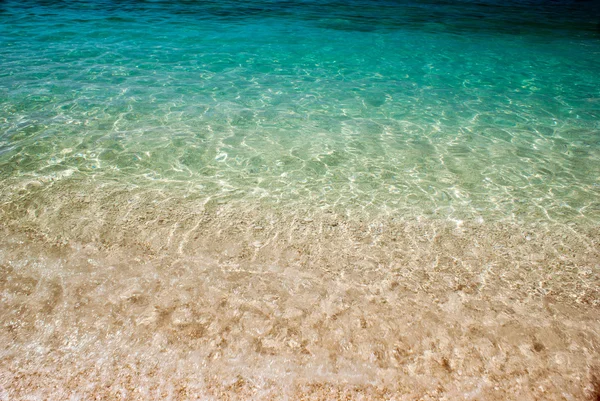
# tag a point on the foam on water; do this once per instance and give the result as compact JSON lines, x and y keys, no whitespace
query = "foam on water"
{"x":314,"y":199}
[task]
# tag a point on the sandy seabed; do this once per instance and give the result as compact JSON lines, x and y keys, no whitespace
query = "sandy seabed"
{"x":175,"y":301}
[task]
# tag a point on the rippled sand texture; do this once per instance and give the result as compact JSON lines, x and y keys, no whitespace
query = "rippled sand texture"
{"x":320,"y":307}
{"x":191,"y":303}
{"x":288,"y":200}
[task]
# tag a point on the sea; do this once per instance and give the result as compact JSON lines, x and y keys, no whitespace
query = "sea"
{"x":299,"y":199}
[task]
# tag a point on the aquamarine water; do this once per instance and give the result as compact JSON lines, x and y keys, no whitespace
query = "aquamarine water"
{"x":456,"y":110}
{"x":312,"y":199}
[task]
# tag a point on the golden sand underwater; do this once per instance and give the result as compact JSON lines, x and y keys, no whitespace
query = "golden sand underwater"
{"x":299,"y":200}
{"x":164,"y":299}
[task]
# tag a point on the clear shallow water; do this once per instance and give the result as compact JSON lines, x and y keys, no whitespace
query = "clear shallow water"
{"x":453,"y":110}
{"x":312,"y":200}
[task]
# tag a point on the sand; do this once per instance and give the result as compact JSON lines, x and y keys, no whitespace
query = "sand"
{"x":164,"y":298}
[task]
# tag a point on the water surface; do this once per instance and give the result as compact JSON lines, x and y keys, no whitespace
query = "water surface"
{"x":317,"y":198}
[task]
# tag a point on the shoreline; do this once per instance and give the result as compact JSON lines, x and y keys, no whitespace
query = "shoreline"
{"x":272,"y":305}
{"x":306,"y":200}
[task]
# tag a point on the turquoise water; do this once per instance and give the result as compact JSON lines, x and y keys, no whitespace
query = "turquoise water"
{"x":476,"y":110}
{"x":311,"y":200}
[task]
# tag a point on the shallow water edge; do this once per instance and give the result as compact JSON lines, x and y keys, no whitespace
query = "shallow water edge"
{"x":234,"y":303}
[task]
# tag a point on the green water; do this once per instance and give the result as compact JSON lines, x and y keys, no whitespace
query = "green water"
{"x":451,"y":110}
{"x":312,"y":199}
